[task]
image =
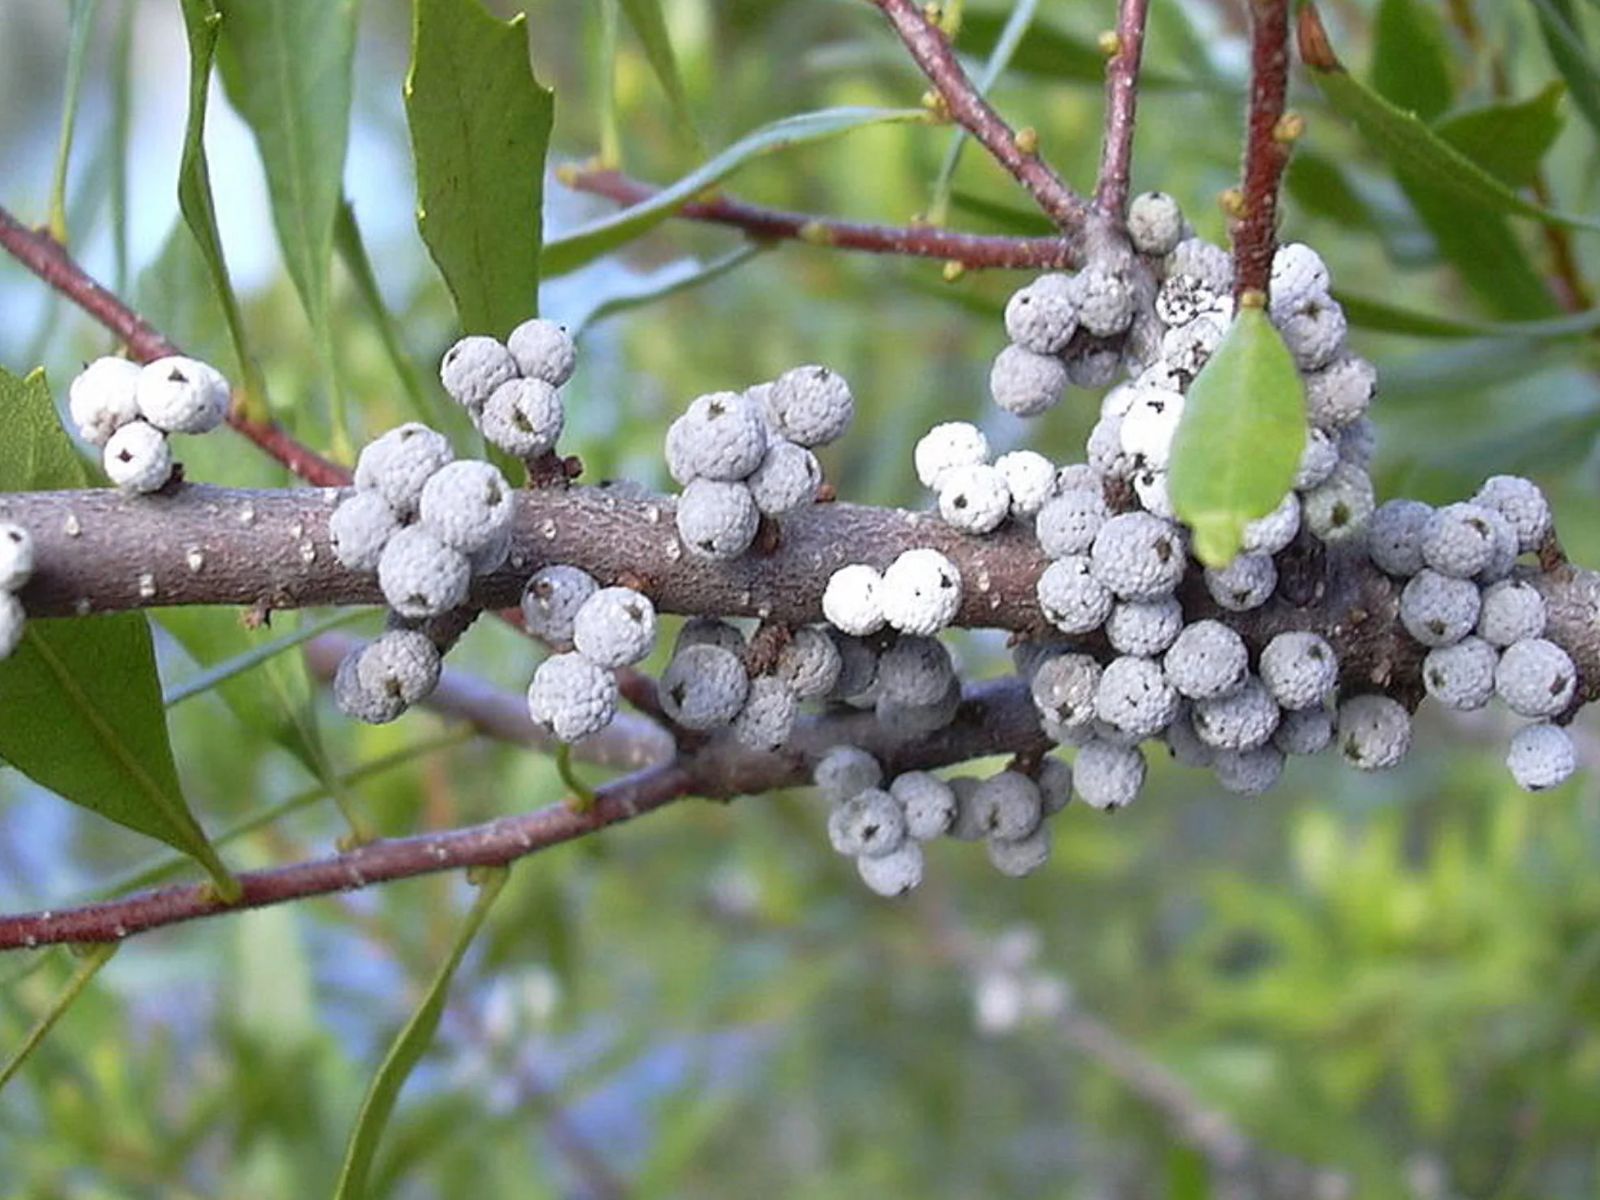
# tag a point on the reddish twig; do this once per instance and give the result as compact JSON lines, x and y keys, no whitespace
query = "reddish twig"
{"x":1268,"y":140}
{"x":967,"y":107}
{"x":51,"y":262}
{"x":1122,"y":101}
{"x":920,"y":241}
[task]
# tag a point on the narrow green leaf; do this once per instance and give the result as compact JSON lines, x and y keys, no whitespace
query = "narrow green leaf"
{"x":1238,"y":445}
{"x":1410,"y":58}
{"x":651,"y":29}
{"x":1563,"y":38}
{"x":590,"y":241}
{"x":88,"y":967}
{"x":120,"y":137}
{"x":1367,"y":312}
{"x":665,"y":281}
{"x":480,"y":126}
{"x":408,"y":1048}
{"x":243,"y":654}
{"x":1319,"y":185}
{"x":1508,"y":139}
{"x":606,"y":35}
{"x":201,"y":23}
{"x":352,"y":251}
{"x":1055,"y":53}
{"x":81,"y":16}
{"x":80,"y":701}
{"x":1483,"y":248}
{"x":1408,"y":145}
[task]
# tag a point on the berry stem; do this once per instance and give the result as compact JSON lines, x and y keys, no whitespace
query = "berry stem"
{"x":1266,"y":152}
{"x":1122,"y":101}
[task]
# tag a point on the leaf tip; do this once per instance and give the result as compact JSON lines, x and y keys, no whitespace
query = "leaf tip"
{"x":1316,"y":50}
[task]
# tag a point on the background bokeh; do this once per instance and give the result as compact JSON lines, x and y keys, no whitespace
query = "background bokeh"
{"x":1394,"y":979}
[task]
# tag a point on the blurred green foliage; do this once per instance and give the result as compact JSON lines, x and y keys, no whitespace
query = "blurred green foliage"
{"x":1396,"y":978}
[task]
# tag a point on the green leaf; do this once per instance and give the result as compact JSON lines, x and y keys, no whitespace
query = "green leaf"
{"x":590,"y":241}
{"x":201,"y":22}
{"x":1508,"y":139}
{"x":1055,"y":53}
{"x":651,"y":30}
{"x":480,"y":126}
{"x":1564,"y":39}
{"x":1483,"y":248}
{"x":1410,"y":58}
{"x":1239,"y":443}
{"x":408,"y":1048}
{"x":82,"y":14}
{"x":88,"y":967}
{"x":1411,"y":147}
{"x":1319,"y":185}
{"x":1367,"y":312}
{"x":80,"y":701}
{"x":286,"y":65}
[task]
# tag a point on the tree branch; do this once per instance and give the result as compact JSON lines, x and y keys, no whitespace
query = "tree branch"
{"x":918,"y":241}
{"x":51,"y":262}
{"x":1267,"y":145}
{"x":1122,"y":100}
{"x":967,"y":107}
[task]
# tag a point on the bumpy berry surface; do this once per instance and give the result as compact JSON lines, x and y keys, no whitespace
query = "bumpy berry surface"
{"x":359,"y":528}
{"x":703,"y":687}
{"x":614,"y":627}
{"x":543,"y":350}
{"x":921,"y":592}
{"x":571,"y":697}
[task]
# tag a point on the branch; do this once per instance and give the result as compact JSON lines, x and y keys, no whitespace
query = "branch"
{"x":967,"y":107}
{"x":995,"y":718}
{"x":1122,"y":100}
{"x":920,"y":241}
{"x":51,"y":262}
{"x":1269,"y":137}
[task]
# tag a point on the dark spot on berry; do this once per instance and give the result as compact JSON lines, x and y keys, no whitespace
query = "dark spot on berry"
{"x":1315,"y":653}
{"x":1163,"y":550}
{"x":1340,"y":514}
{"x":959,"y":502}
{"x":1558,"y":685}
{"x":1435,"y":627}
{"x":176,"y":375}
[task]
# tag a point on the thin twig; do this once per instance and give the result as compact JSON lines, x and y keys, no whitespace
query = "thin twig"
{"x":1267,"y":145}
{"x":919,"y":241}
{"x":1122,"y":101}
{"x":967,"y":107}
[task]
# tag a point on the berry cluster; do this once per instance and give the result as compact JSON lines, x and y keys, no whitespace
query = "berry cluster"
{"x":740,"y":456}
{"x":574,"y":693}
{"x":16,"y":568}
{"x":512,"y":389}
{"x":129,"y":410}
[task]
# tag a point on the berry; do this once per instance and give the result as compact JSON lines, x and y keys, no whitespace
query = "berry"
{"x":1458,"y":540}
{"x":858,"y":666}
{"x":1535,"y":678}
{"x":1071,"y":597}
{"x":1317,"y":460}
{"x":1187,"y":348}
{"x":1511,"y":610}
{"x":1358,"y":443}
{"x":1340,"y":505}
{"x":1064,"y":689}
{"x":571,"y":698}
{"x":915,"y":670}
{"x":787,"y":478}
{"x":1108,"y":776}
{"x":1182,"y":298}
{"x":921,"y":592}
{"x":16,"y":557}
{"x":944,"y":447}
{"x":1276,"y":530}
{"x":491,"y":556}
{"x":1007,"y":805}
{"x":1184,"y":744}
{"x":974,"y":499}
{"x":1503,"y":559}
{"x":1394,"y":536}
{"x":1298,"y":276}
{"x":1055,"y":785}
{"x":846,"y":771}
{"x":677,"y":452}
{"x":892,"y":874}
{"x":810,"y":406}
{"x":767,"y":718}
{"x":1154,"y":496}
{"x":182,"y":395}
{"x":552,"y":599}
{"x":717,"y":520}
{"x":1207,"y":660}
{"x":398,"y":464}
{"x":13,"y":620}
{"x":1374,"y":732}
{"x":473,"y":368}
{"x":137,"y":457}
{"x":543,"y":350}
{"x":362,"y":700}
{"x":723,"y":436}
{"x":404,"y":663}
{"x":1304,"y":731}
{"x":1030,"y":478}
{"x":1520,"y":502}
{"x":929,"y":804}
{"x":809,"y":663}
{"x":1043,"y":316}
{"x":1197,"y":257}
{"x":901,"y":721}
{"x":1135,"y":697}
{"x":708,"y":631}
{"x":1299,"y":669}
{"x":523,"y":417}
{"x":1104,"y":449}
{"x":1241,"y":720}
{"x":1025,"y":383}
{"x":1155,"y":223}
{"x":868,"y":824}
{"x":1437,"y":609}
{"x":1249,"y":772}
{"x":1314,"y":333}
{"x":102,"y":399}
{"x":1067,"y":524}
{"x":1016,"y":857}
{"x":1541,"y":756}
{"x":1461,"y":676}
{"x":1138,"y":556}
{"x":467,"y":505}
{"x":1144,"y":627}
{"x":1149,"y":425}
{"x":420,"y":575}
{"x":359,"y":529}
{"x":1339,"y":395}
{"x":614,"y":627}
{"x":703,"y":687}
{"x":852,"y":602}
{"x":1245,"y":583}
{"x":1105,"y":301}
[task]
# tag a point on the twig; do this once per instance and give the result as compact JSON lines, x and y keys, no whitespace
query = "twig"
{"x":967,"y":107}
{"x":1268,"y":141}
{"x":1122,"y":100}
{"x":920,"y":241}
{"x":51,"y":262}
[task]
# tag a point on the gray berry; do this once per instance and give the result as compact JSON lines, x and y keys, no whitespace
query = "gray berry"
{"x":1536,"y":678}
{"x":398,"y":464}
{"x":810,"y":405}
{"x":703,"y":687}
{"x":1108,"y":776}
{"x":1245,"y":583}
{"x":717,"y":520}
{"x":809,"y":663}
{"x":1144,"y":627}
{"x":787,"y":478}
{"x":1155,"y":223}
{"x":614,"y":627}
{"x":1304,"y":731}
{"x":1522,"y":503}
{"x":359,"y":528}
{"x":1374,"y":732}
{"x":1461,"y":676}
{"x":571,"y":698}
{"x":1064,"y":687}
{"x":467,"y":505}
{"x":869,"y":823}
{"x":1458,"y":540}
{"x":1071,"y":597}
{"x":1394,"y":536}
{"x":846,"y":771}
{"x":767,"y":718}
{"x":473,"y":368}
{"x":403,"y":663}
{"x":1249,"y":772}
{"x":1135,"y":697}
{"x":1241,"y":720}
{"x":552,"y":599}
{"x":420,"y":575}
{"x":1512,"y":609}
{"x":1138,"y":556}
{"x":1207,"y":660}
{"x":1017,"y":857}
{"x":1025,"y":383}
{"x":1043,"y":316}
{"x":1541,"y":756}
{"x":723,"y":436}
{"x":1340,"y":506}
{"x":1300,"y":669}
{"x":929,"y":803}
{"x":1438,"y":609}
{"x":915,"y":670}
{"x":892,"y":874}
{"x":359,"y":699}
{"x":1008,"y":805}
{"x":523,"y":417}
{"x":1068,"y":523}
{"x":543,"y":350}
